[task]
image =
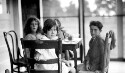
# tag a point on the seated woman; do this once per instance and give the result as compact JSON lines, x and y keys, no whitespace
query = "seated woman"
{"x":94,"y":60}
{"x":50,"y":31}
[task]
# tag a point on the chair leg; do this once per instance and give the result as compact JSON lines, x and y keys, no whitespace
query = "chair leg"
{"x":18,"y":69}
{"x":67,"y":55}
{"x":7,"y":71}
{"x":107,"y":72}
{"x":28,"y":69}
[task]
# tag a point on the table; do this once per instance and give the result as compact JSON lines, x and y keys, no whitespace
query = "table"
{"x":72,"y":45}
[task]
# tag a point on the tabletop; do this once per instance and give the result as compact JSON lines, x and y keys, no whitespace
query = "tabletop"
{"x":70,"y":45}
{"x":73,"y":41}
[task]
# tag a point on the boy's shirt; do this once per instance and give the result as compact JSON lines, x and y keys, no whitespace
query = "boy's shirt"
{"x":95,"y":53}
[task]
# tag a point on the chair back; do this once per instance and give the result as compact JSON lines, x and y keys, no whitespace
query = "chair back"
{"x":107,"y":51}
{"x":7,"y":71}
{"x":11,"y":40}
{"x":109,"y":39}
{"x":44,"y":44}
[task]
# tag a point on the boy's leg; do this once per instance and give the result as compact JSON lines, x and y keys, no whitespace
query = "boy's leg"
{"x":72,"y":70}
{"x":81,"y":67}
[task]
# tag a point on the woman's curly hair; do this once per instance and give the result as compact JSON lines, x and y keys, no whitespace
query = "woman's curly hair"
{"x":27,"y":28}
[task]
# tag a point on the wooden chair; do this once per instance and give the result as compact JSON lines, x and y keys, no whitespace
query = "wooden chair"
{"x":7,"y":71}
{"x":16,"y":59}
{"x":43,"y":44}
{"x":110,"y":41}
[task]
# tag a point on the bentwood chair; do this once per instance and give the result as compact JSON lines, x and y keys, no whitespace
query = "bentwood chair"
{"x":16,"y":60}
{"x":109,"y":45}
{"x":43,"y":44}
{"x":7,"y":71}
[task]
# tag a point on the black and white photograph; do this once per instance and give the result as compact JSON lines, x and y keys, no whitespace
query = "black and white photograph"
{"x":62,"y":36}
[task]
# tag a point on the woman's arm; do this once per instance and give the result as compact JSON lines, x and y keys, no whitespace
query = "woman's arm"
{"x":37,"y":56}
{"x":66,"y":62}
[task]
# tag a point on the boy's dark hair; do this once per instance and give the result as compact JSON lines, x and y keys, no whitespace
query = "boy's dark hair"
{"x":48,"y":24}
{"x":96,"y":23}
{"x":27,"y":28}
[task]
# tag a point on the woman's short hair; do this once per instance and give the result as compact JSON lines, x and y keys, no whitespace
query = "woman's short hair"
{"x":48,"y":24}
{"x":96,"y":23}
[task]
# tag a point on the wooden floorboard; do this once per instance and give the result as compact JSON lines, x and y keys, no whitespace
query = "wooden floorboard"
{"x":114,"y":66}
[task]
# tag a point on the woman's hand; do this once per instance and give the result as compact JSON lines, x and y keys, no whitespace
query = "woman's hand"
{"x":39,"y":36}
{"x":37,"y":56}
{"x":68,"y":63}
{"x":98,"y":71}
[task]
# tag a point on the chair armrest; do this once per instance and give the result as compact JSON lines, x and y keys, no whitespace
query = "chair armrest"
{"x":50,"y":61}
{"x":86,"y":72}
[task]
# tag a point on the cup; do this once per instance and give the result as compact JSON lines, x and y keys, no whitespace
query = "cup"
{"x":70,"y":38}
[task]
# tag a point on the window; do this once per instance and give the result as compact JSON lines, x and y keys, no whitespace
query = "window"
{"x":66,"y":11}
{"x":105,"y":12}
{"x":1,"y":9}
{"x":124,"y":25}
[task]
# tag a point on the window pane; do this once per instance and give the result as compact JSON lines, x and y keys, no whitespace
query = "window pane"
{"x":123,"y":27}
{"x":124,"y":34}
{"x":70,"y":25}
{"x":1,"y":9}
{"x":100,"y":7}
{"x":65,"y":11}
{"x":52,"y":8}
{"x":123,"y":7}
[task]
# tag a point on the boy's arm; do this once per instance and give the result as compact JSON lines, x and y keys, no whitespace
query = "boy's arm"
{"x":87,"y":66}
{"x":101,"y":47}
